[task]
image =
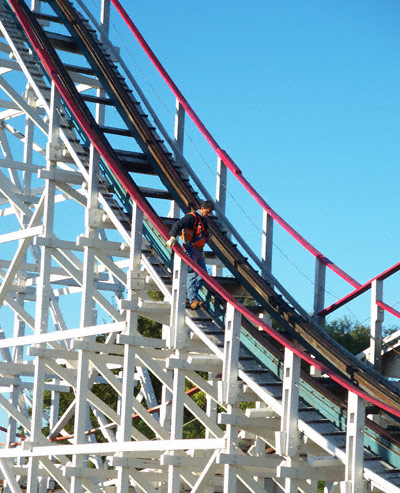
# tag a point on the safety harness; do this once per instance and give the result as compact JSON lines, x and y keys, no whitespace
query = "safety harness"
{"x":198,"y":235}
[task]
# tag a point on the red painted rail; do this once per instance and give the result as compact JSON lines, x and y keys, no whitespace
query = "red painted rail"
{"x":362,"y":289}
{"x":388,"y":308}
{"x":52,"y":70}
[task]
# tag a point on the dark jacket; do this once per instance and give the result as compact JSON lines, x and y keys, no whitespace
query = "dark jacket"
{"x":188,"y":222}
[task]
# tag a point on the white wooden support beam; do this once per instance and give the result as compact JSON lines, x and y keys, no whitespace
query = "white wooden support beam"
{"x":21,"y":234}
{"x":44,"y":289}
{"x":19,"y":257}
{"x":28,"y":149}
{"x":231,"y":355}
{"x":261,"y":410}
{"x":128,"y":382}
{"x":290,"y":402}
{"x":62,"y":176}
{"x":179,"y":339}
{"x":88,"y":311}
{"x":6,"y":469}
{"x":14,"y":178}
{"x":377,"y":316}
{"x":211,"y":400}
{"x":288,"y":438}
{"x":354,"y":480}
{"x":14,"y":196}
{"x":88,"y":317}
{"x":36,"y":425}
{"x":201,"y":485}
{"x":81,"y":413}
{"x":146,"y":391}
{"x":178,"y":335}
{"x":230,"y":391}
{"x":230,"y":467}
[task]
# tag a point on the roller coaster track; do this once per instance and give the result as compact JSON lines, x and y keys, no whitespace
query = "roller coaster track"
{"x":321,"y":414}
{"x":310,"y":337}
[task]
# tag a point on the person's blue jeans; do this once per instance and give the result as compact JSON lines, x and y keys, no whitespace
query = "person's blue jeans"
{"x":194,"y":281}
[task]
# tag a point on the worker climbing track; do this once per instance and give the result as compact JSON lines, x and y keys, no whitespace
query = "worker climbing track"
{"x":110,"y":382}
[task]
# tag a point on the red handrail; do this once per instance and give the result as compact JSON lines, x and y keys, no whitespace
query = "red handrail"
{"x":388,"y":308}
{"x":361,"y":289}
{"x":126,"y":182}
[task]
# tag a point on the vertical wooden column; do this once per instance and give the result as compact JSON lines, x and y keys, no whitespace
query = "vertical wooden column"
{"x":211,"y":405}
{"x":19,"y":325}
{"x":319,"y":290}
{"x":220,"y":200}
{"x":221,"y":185}
{"x":319,"y":300}
{"x":179,"y":341}
{"x":354,"y":482}
{"x":105,"y":21}
{"x":266,"y":253}
{"x":80,"y":421}
{"x":230,"y":389}
{"x":288,"y":437}
{"x":172,"y":332}
{"x":266,"y":244}
{"x":44,"y":287}
{"x":377,"y":316}
{"x":128,"y":382}
{"x":88,"y":311}
{"x":179,"y":132}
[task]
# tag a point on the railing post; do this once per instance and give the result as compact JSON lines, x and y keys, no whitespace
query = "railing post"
{"x":377,"y":316}
{"x":231,"y":354}
{"x":105,"y":18}
{"x":319,"y":290}
{"x":230,"y":388}
{"x":319,"y":300}
{"x":221,"y":184}
{"x":267,"y":243}
{"x":220,"y":200}
{"x":179,"y":133}
{"x":354,"y":482}
{"x":288,"y":437}
{"x":266,"y":253}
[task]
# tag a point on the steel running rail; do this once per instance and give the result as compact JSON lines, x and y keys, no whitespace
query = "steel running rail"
{"x":97,"y":142}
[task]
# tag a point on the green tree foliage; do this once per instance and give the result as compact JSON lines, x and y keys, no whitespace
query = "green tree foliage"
{"x":105,"y":392}
{"x":353,"y":336}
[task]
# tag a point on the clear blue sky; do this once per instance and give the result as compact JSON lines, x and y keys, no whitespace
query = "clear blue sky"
{"x":304,"y":96}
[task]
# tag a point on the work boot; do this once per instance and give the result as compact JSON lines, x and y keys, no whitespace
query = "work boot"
{"x":196,"y":304}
